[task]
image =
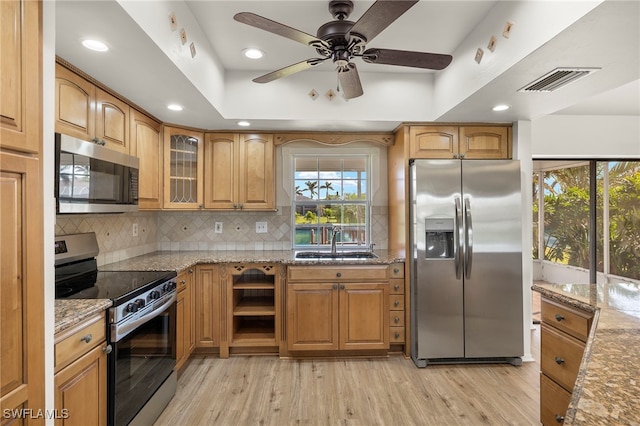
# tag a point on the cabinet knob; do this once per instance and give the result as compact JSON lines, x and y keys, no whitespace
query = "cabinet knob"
{"x":559,"y":317}
{"x":86,"y":338}
{"x":396,"y":335}
{"x":342,"y":287}
{"x":396,"y":319}
{"x":396,"y":303}
{"x":396,"y":270}
{"x":335,"y":286}
{"x":559,"y":418}
{"x":107,"y":349}
{"x":183,"y":281}
{"x":339,"y":274}
{"x":559,"y":360}
{"x":396,"y":287}
{"x":191,"y":271}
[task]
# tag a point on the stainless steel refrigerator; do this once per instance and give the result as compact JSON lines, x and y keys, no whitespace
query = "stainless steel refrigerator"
{"x":466,"y":261}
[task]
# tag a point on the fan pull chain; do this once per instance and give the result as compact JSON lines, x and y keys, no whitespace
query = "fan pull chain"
{"x":338,"y":82}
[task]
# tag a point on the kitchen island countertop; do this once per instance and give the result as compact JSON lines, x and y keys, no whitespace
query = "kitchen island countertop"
{"x":606,"y":388}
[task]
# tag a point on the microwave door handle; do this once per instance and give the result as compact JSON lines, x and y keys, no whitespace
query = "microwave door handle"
{"x":457,"y":240}
{"x":468,"y":238}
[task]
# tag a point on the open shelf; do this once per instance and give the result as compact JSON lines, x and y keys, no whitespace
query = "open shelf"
{"x":253,"y":301}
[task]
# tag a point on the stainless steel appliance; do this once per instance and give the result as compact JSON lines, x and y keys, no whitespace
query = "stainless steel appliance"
{"x":466,"y":261}
{"x":141,"y":330}
{"x":93,"y":179}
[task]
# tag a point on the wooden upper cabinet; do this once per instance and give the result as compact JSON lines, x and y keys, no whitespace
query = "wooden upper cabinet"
{"x":183,"y":169}
{"x":433,"y":141}
{"x":468,"y":142}
{"x":485,"y":142}
{"x":75,"y":104}
{"x":239,"y":171}
{"x":20,"y":82}
{"x":221,"y":152}
{"x":147,"y":144}
{"x":90,"y":113}
{"x":112,"y":121}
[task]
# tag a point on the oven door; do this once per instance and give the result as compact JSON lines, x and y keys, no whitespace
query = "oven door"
{"x":139,"y":364}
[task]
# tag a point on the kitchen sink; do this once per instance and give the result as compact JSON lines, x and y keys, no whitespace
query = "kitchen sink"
{"x":339,"y":255}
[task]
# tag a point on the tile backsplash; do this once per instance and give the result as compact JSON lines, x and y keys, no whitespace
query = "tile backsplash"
{"x":194,"y":230}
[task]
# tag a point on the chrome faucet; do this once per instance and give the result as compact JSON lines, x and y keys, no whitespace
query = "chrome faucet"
{"x":334,"y":232}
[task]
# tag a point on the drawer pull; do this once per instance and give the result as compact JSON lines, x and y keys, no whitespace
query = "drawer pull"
{"x":396,"y":303}
{"x":559,"y":418}
{"x":86,"y":338}
{"x":396,"y":270}
{"x":559,"y":317}
{"x":396,"y":319}
{"x":335,"y":286}
{"x":396,"y":335}
{"x":339,"y":274}
{"x":559,"y":360}
{"x":396,"y":287}
{"x":107,"y":349}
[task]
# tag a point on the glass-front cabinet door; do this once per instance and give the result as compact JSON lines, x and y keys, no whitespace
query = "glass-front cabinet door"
{"x":183,"y":169}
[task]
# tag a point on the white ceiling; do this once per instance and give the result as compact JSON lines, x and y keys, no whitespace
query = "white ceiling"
{"x":149,"y":65}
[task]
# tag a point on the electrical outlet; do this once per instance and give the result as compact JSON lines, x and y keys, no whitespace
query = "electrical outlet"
{"x":218,"y":228}
{"x":492,"y":43}
{"x":134,"y":230}
{"x":261,"y":227}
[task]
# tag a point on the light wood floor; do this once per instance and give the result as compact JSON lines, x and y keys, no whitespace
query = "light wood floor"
{"x":261,"y":390}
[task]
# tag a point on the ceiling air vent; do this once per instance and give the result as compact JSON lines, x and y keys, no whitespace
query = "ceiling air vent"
{"x":556,"y":79}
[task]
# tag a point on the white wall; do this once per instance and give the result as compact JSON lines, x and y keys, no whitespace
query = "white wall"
{"x":573,"y":136}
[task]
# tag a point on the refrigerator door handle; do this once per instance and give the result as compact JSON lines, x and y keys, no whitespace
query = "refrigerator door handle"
{"x":457,"y":240}
{"x":468,"y":239}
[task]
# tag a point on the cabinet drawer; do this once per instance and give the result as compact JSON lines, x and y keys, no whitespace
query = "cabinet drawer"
{"x":396,"y":286}
{"x":77,"y":341}
{"x":396,"y":318}
{"x":396,"y":270}
{"x":560,"y":356}
{"x":396,"y":302}
{"x":396,"y":335}
{"x":337,"y":273}
{"x":554,"y":402}
{"x":572,"y":321}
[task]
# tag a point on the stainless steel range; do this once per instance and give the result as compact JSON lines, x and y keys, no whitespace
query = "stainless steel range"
{"x":141,"y":330}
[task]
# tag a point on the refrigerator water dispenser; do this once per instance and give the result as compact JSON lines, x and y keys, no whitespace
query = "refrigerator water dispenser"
{"x":439,"y":238}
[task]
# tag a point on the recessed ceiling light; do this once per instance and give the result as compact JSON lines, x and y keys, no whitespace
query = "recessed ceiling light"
{"x":175,"y":107}
{"x":243,"y":123}
{"x":252,"y":53}
{"x":96,"y":45}
{"x":501,"y":107}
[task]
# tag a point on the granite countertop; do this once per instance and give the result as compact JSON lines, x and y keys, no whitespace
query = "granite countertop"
{"x":70,"y":312}
{"x":180,"y":260}
{"x":605,"y":391}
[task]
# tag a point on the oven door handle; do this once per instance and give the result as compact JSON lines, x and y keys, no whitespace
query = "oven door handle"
{"x":119,"y":331}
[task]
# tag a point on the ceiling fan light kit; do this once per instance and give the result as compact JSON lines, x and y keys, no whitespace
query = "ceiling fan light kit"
{"x":342,"y":40}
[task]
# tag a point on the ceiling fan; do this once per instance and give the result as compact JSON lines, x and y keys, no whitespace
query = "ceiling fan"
{"x":342,"y":40}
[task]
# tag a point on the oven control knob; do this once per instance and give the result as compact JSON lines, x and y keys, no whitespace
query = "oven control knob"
{"x":155,"y":294}
{"x":131,"y":307}
{"x":139,"y":303}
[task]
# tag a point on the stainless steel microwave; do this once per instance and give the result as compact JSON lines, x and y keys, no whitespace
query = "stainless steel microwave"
{"x":93,"y":179}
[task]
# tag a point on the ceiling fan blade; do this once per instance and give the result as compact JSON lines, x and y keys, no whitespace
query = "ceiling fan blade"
{"x":404,"y":58}
{"x":274,"y":27}
{"x":286,"y":71}
{"x":379,"y":16}
{"x":350,"y":81}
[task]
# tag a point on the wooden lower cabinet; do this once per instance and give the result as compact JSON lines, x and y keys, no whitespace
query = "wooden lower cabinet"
{"x":185,"y":330}
{"x":207,"y":307}
{"x":343,"y":313}
{"x":81,"y":374}
{"x":564,"y":332}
